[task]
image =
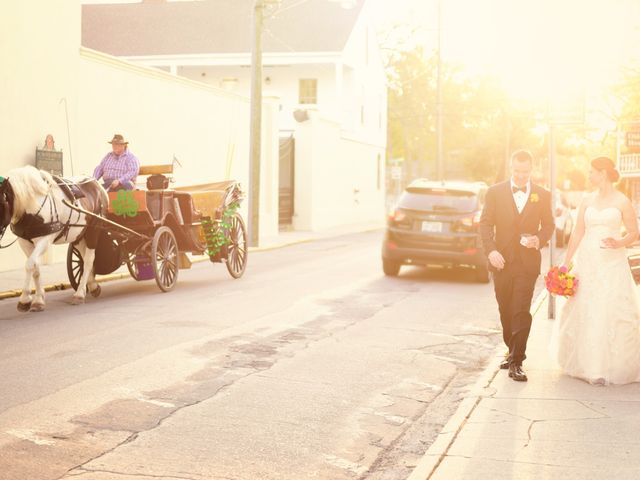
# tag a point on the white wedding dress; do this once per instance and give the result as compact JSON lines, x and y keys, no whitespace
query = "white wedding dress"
{"x":597,"y":337}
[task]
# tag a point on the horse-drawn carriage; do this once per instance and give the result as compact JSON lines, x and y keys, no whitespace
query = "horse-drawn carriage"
{"x":153,"y":230}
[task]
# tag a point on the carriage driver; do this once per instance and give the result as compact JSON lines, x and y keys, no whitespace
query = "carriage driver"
{"x":119,"y":168}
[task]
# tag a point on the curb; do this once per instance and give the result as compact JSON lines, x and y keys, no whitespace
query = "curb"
{"x":119,"y":276}
{"x":435,"y":454}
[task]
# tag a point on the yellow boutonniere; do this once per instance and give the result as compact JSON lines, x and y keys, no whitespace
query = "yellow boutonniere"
{"x":534,"y":198}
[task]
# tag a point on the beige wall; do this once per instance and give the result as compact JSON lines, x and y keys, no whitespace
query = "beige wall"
{"x":365,"y":82}
{"x":336,"y":178}
{"x":162,"y":115}
{"x":38,"y":49}
{"x":39,"y":43}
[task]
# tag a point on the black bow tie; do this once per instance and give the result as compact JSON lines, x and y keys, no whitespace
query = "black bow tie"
{"x":515,"y":189}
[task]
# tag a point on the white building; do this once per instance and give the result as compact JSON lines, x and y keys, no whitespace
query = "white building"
{"x":318,"y":57}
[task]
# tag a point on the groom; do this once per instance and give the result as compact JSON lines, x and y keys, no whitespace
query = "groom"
{"x":516,"y":222}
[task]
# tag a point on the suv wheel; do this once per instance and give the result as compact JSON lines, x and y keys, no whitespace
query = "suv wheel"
{"x":390,"y":268}
{"x":482,"y":274}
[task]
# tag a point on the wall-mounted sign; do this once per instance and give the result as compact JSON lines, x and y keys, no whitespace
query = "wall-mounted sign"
{"x":49,"y":161}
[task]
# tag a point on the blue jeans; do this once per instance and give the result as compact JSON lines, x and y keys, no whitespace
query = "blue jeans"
{"x":123,"y":186}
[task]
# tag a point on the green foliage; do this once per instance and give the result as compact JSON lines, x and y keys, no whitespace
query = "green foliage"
{"x":480,"y":124}
{"x":628,"y":93}
{"x":217,"y":233}
{"x":125,"y":204}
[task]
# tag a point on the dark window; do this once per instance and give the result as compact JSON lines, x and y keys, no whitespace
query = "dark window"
{"x":439,"y":200}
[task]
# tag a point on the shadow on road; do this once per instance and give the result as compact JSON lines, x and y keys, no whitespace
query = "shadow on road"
{"x":437,"y":274}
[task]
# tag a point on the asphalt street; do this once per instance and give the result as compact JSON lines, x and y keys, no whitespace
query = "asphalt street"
{"x":313,"y":365}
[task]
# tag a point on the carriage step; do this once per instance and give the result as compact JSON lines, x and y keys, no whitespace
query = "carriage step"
{"x":184,"y":262}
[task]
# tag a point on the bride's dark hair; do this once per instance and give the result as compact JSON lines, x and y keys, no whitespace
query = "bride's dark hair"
{"x":606,"y":164}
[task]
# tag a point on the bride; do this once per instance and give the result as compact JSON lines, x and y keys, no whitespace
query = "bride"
{"x":597,"y":337}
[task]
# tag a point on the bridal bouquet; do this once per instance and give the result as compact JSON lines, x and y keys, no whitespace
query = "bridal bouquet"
{"x":560,"y":282}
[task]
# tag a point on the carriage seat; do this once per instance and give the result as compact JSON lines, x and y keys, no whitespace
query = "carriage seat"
{"x":156,"y":180}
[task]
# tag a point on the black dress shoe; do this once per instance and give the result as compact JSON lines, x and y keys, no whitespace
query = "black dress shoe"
{"x":516,"y":372}
{"x":504,"y":365}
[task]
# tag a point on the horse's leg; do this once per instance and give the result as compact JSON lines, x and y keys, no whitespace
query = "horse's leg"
{"x":32,"y":268}
{"x":92,"y":286}
{"x":91,"y":240}
{"x":24,"y":304}
{"x":88,"y":256}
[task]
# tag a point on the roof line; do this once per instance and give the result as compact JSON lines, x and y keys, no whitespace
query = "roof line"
{"x":231,"y":59}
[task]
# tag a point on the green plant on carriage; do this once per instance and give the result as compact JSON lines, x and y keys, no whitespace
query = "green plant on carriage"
{"x":125,"y":204}
{"x":217,"y":233}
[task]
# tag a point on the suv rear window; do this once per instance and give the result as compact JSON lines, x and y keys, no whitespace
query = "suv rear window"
{"x":439,"y":200}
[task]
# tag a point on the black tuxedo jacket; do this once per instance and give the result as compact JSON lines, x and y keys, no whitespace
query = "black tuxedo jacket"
{"x":501,"y":225}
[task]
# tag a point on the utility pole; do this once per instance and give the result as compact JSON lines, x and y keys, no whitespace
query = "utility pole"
{"x":507,"y":145}
{"x":439,"y":158}
{"x":255,"y":132}
{"x":552,"y":186}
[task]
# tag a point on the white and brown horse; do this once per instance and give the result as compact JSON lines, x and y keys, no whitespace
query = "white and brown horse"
{"x":31,"y":203}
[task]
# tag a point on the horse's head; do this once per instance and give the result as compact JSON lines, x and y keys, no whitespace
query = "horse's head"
{"x":6,"y":204}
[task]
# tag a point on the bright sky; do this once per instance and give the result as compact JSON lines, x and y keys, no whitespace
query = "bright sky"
{"x":537,"y":48}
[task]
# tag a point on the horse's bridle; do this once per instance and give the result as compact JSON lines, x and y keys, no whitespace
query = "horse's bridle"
{"x":6,"y":208}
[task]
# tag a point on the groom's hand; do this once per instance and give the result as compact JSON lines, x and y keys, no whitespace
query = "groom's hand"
{"x":496,"y":259}
{"x":533,"y":242}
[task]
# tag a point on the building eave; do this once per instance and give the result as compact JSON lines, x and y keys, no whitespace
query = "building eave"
{"x":238,"y":59}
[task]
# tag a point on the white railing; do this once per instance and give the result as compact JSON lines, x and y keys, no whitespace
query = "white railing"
{"x":629,"y":163}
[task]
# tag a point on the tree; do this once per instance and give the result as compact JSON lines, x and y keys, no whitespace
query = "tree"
{"x":479,"y":123}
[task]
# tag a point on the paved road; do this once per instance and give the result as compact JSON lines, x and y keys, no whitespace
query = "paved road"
{"x":313,"y":365}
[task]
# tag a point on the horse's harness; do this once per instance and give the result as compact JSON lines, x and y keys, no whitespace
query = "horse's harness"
{"x":32,"y":225}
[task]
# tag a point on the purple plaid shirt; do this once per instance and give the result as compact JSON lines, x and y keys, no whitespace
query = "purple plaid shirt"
{"x":124,"y":167}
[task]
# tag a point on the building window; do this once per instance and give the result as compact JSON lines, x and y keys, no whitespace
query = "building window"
{"x":308,"y":93}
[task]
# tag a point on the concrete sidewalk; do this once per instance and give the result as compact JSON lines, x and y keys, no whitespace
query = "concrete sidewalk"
{"x":55,"y":275}
{"x":551,"y":427}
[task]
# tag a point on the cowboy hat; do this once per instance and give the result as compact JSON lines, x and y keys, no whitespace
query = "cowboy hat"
{"x":118,"y":140}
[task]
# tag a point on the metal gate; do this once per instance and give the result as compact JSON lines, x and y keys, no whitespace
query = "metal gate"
{"x":286,"y":185}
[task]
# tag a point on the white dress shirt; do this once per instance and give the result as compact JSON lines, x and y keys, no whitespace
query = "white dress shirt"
{"x":520,"y":198}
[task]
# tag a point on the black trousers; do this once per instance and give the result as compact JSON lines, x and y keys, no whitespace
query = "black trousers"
{"x":514,"y":291}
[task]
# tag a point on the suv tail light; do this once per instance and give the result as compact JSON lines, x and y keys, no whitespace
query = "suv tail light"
{"x":398,"y":216}
{"x":469,"y":223}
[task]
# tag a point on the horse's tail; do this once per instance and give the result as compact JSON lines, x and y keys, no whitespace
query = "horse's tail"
{"x":104,"y":197}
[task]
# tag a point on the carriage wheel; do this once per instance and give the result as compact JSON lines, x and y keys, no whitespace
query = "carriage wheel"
{"x":75,"y":266}
{"x":132,"y":266}
{"x":164,"y":257}
{"x":237,"y":247}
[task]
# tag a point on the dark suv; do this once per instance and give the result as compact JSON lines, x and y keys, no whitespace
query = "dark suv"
{"x":436,"y":223}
